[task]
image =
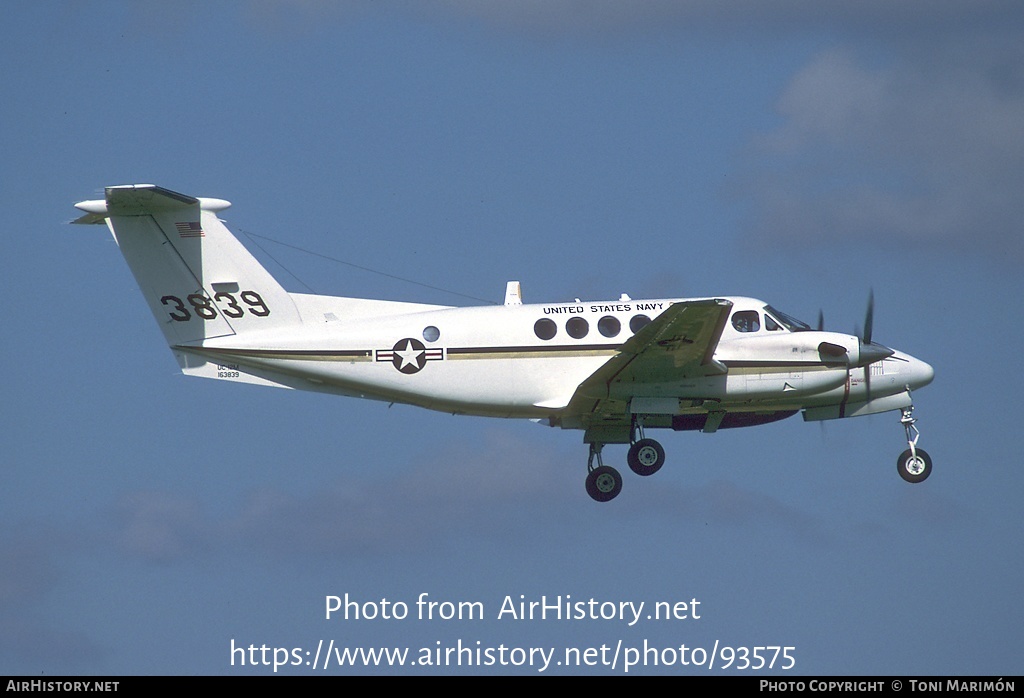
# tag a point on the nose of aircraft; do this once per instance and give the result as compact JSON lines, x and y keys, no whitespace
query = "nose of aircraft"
{"x":919,"y":374}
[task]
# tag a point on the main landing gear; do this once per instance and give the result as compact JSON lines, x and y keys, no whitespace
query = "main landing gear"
{"x":646,"y":456}
{"x":603,"y":482}
{"x":914,"y":464}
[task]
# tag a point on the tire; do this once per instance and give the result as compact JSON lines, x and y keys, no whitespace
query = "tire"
{"x":914,"y":469}
{"x":604,"y":483}
{"x":646,"y":457}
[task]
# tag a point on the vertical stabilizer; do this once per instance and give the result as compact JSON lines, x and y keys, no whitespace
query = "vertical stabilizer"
{"x":199,"y":281}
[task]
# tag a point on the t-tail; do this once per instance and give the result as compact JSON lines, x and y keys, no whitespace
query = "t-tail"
{"x":199,"y":281}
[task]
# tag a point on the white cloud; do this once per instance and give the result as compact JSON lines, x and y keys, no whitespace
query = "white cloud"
{"x":928,"y":148}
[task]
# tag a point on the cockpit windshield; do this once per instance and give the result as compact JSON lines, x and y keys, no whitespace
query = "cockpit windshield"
{"x":788,"y":321}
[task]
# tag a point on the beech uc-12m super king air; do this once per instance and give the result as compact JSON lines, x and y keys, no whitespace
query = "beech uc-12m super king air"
{"x":612,"y":369}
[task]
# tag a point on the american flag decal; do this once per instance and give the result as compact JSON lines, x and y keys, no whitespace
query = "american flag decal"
{"x":191,"y":229}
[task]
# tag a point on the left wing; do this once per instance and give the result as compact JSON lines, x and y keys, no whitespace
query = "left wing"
{"x":680,"y":343}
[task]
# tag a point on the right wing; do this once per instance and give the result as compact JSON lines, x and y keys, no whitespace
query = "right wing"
{"x":680,"y":343}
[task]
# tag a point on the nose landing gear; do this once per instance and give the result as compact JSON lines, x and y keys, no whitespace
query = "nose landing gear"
{"x":914,"y":464}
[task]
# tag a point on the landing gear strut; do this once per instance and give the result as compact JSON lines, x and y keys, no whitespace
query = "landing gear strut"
{"x":603,"y":482}
{"x":914,"y":464}
{"x":646,"y":456}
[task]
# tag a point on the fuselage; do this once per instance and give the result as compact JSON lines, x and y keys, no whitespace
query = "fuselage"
{"x":528,"y":360}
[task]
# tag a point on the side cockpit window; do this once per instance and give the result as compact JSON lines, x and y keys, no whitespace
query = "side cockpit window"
{"x":746,"y":321}
{"x":770,"y":324}
{"x":787,"y":321}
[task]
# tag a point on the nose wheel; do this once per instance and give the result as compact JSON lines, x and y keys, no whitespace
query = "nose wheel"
{"x":914,"y":464}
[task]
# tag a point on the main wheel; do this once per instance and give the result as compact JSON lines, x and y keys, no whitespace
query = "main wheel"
{"x":914,"y":469}
{"x":604,"y":483}
{"x":646,"y":457}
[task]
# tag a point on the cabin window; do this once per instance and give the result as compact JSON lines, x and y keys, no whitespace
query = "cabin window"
{"x":545,"y":328}
{"x":746,"y":321}
{"x":609,"y":326}
{"x":638,"y":322}
{"x":431,"y":333}
{"x":577,"y":327}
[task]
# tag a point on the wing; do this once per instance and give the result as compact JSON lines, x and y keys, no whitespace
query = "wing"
{"x":680,"y":343}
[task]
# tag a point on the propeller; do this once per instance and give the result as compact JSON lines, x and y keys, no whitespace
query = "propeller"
{"x":828,"y":351}
{"x":869,"y":317}
{"x":870,"y":352}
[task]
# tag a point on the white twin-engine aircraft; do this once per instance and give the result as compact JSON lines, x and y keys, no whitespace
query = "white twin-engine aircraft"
{"x":613,"y":369}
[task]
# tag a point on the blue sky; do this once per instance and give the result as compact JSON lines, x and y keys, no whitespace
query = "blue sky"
{"x":796,"y":151}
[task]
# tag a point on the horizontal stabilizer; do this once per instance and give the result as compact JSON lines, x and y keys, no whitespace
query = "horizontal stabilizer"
{"x":142,"y":200}
{"x":90,"y":218}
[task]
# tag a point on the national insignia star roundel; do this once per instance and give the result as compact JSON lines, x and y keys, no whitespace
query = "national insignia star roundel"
{"x":409,"y":355}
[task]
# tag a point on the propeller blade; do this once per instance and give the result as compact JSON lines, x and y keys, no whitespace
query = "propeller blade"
{"x":869,"y":351}
{"x":821,"y":320}
{"x":870,"y":317}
